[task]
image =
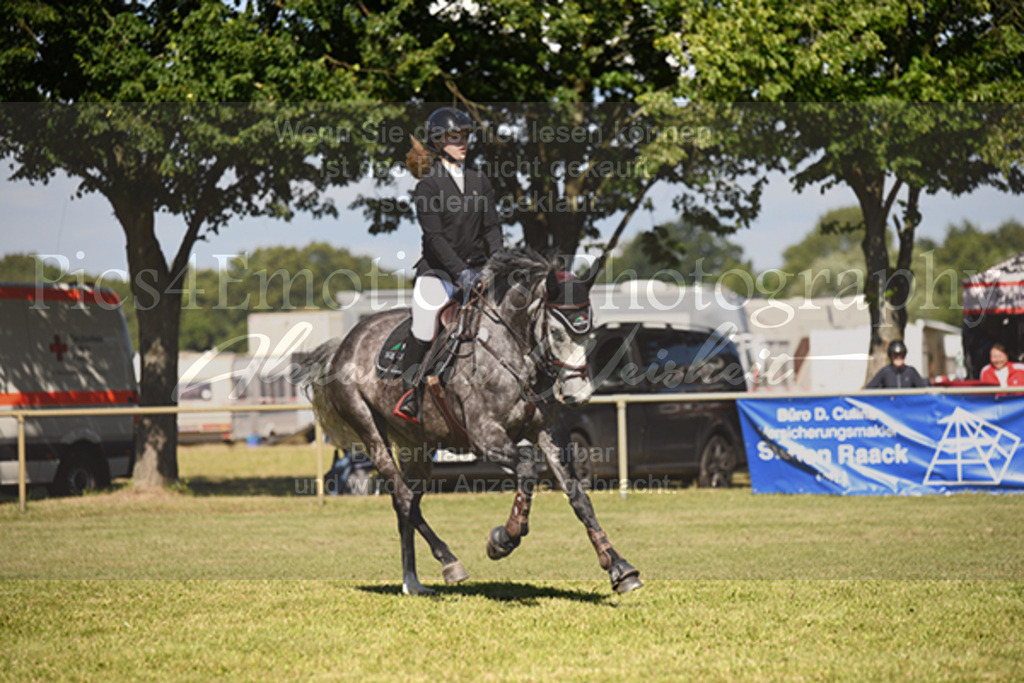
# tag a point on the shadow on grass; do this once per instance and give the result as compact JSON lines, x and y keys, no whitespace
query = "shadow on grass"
{"x":502,"y":591}
{"x":250,"y":486}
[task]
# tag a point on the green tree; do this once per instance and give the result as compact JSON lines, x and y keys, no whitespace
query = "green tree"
{"x":28,"y":268}
{"x":828,"y":259}
{"x":964,"y":251}
{"x":682,"y":252}
{"x":204,"y":163}
{"x":216,"y":304}
{"x":880,"y":55}
{"x":554,"y":88}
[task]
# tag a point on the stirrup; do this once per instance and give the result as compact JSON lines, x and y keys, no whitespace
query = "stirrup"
{"x":406,"y":405}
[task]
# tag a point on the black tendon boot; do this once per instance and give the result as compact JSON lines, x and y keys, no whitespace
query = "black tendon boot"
{"x":408,"y":407}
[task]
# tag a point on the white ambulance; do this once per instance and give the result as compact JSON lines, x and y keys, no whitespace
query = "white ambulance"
{"x":65,"y":346}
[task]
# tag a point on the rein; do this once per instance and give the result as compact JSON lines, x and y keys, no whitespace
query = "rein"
{"x":543,"y":360}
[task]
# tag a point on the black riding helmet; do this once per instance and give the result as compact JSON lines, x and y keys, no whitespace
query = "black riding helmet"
{"x":445,"y":121}
{"x":897,"y":348}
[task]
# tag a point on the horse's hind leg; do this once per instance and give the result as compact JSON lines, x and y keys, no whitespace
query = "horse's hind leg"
{"x":624,"y":576}
{"x":403,"y":498}
{"x":418,"y":477}
{"x":403,"y":501}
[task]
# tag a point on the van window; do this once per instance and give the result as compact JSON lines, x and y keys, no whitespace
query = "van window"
{"x":676,"y":348}
{"x":676,"y":360}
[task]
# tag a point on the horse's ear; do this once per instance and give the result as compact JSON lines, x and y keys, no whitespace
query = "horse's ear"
{"x":552,"y":284}
{"x":590,"y":276}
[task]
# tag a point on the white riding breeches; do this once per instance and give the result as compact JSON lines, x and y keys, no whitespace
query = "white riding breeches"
{"x":429,"y":294}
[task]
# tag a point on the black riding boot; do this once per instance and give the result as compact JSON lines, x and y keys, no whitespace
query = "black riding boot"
{"x":408,"y":407}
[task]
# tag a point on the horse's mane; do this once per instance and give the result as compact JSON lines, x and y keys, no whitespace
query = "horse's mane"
{"x":514,"y":266}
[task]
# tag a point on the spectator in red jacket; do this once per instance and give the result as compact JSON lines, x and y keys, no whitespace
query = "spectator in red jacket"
{"x":1000,"y":370}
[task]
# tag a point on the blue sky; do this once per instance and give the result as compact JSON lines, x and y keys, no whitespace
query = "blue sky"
{"x":46,"y":219}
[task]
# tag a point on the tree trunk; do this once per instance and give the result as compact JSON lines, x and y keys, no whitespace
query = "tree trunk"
{"x":562,"y":235}
{"x":885,"y":327}
{"x":902,"y":284}
{"x":156,"y":451}
{"x":159,"y":311}
{"x":535,"y":232}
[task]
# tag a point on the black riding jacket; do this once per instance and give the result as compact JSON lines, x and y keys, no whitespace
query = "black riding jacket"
{"x":460,"y":229}
{"x":891,"y":377}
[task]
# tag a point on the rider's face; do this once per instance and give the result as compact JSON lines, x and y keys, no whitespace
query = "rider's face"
{"x":456,"y":145}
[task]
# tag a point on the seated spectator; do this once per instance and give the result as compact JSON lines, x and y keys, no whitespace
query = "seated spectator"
{"x":1000,"y":370}
{"x":897,"y":375}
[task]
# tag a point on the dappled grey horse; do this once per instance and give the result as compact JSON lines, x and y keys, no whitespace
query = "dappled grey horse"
{"x":517,"y":356}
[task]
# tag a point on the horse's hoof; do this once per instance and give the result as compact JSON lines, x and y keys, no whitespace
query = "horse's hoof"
{"x":500,"y":544}
{"x":454,"y":572}
{"x":418,"y":589}
{"x":628,"y":584}
{"x":625,"y":577}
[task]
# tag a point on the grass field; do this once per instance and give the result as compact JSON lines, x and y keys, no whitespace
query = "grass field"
{"x":239,"y":576}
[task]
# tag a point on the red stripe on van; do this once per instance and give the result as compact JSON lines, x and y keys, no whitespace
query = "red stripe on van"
{"x":68,"y":398}
{"x":70,"y":294}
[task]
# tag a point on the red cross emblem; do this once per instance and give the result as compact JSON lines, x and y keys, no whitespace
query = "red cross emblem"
{"x":58,"y":347}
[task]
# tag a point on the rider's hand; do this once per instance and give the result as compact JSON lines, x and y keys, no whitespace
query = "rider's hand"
{"x":468,"y":279}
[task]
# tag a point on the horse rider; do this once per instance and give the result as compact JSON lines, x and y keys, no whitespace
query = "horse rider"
{"x":458,"y":215}
{"x":897,"y":375}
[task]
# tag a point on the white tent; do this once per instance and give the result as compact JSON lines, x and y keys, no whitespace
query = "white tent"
{"x":998,"y":290}
{"x":994,"y":313}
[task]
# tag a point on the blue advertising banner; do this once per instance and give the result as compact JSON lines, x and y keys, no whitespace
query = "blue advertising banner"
{"x":888,"y":444}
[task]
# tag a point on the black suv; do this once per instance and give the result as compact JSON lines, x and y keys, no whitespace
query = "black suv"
{"x":689,"y":439}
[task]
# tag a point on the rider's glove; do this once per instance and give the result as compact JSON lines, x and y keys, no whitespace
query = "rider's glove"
{"x":468,"y":279}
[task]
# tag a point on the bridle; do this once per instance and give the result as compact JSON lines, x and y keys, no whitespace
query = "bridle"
{"x":541,"y":354}
{"x":545,"y":360}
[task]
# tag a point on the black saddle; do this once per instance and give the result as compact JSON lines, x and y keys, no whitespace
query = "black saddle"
{"x":439,"y":358}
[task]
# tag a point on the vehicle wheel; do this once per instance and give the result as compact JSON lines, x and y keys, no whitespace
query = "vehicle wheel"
{"x":358,"y":483}
{"x":582,"y":460}
{"x":75,"y":476}
{"x":717,"y":463}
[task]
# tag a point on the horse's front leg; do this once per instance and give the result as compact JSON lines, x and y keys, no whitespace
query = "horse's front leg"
{"x":491,"y":439}
{"x":504,"y":539}
{"x":624,"y":576}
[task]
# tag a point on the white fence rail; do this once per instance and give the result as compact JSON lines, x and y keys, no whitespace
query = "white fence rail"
{"x":22,"y":414}
{"x":619,"y":400}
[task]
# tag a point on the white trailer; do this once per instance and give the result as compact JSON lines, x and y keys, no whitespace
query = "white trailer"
{"x":64,"y":346}
{"x":278,"y":341}
{"x":206,"y":381}
{"x":269,"y":380}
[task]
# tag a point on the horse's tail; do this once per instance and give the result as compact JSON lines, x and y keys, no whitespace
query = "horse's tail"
{"x":316,"y":367}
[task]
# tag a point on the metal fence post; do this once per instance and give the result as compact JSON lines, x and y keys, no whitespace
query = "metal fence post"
{"x":620,"y":406}
{"x":21,"y":464}
{"x":318,"y":431}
